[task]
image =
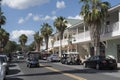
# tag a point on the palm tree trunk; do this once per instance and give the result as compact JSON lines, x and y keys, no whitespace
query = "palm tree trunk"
{"x":38,"y":47}
{"x":46,"y":41}
{"x":95,"y":37}
{"x":60,"y":48}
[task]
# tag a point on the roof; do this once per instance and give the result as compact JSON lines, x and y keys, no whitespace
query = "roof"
{"x":73,"y":21}
{"x":114,"y":8}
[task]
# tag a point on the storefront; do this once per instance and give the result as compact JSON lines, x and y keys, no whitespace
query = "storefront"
{"x":113,"y":48}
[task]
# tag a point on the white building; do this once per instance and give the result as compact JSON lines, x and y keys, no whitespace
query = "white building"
{"x":80,"y":36}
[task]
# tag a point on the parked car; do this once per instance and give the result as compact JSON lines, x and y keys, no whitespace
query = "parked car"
{"x":100,"y":62}
{"x":20,"y":56}
{"x":32,"y":59}
{"x":53,"y":57}
{"x":4,"y":59}
{"x":2,"y":70}
{"x":71,"y":58}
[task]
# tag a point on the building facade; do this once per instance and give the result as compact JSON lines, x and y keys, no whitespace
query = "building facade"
{"x":77,"y":36}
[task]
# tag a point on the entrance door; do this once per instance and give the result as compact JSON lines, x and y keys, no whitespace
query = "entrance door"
{"x":118,"y":53}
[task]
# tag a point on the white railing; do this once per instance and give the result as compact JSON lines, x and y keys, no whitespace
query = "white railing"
{"x":85,"y":36}
{"x":110,"y":28}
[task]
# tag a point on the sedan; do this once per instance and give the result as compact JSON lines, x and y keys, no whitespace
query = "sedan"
{"x":53,"y":57}
{"x":100,"y":62}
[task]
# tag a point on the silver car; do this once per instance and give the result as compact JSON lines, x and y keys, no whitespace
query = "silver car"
{"x":53,"y":57}
{"x":4,"y":60}
{"x":2,"y":70}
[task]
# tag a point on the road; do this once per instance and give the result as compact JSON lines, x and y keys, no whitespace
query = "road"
{"x":58,"y":71}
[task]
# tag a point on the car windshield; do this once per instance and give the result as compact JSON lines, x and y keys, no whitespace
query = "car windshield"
{"x":3,"y":59}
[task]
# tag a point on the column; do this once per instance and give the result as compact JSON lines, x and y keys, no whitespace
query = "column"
{"x":119,"y":19}
{"x":84,"y":30}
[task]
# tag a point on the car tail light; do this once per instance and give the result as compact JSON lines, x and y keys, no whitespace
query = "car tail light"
{"x":103,"y":61}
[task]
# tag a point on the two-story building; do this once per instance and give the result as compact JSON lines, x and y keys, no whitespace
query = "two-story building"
{"x":77,"y":36}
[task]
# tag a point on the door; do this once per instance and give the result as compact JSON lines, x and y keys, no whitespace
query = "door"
{"x":118,"y":53}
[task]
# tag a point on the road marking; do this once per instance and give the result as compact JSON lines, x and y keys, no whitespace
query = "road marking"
{"x":66,"y":74}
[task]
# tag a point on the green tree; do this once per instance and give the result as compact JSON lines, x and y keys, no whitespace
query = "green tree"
{"x":95,"y":13}
{"x":10,"y":47}
{"x":23,"y":40}
{"x":46,"y":31}
{"x":38,"y":41}
{"x":60,"y":25}
{"x":4,"y":37}
{"x":31,"y":47}
{"x":2,"y":19}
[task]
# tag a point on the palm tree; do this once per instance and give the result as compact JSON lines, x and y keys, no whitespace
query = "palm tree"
{"x":23,"y":40}
{"x":38,"y":41}
{"x":4,"y":38}
{"x":46,"y":31}
{"x":60,"y":24}
{"x":94,"y":12}
{"x":2,"y":19}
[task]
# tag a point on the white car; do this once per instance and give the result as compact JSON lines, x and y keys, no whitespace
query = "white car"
{"x":53,"y":57}
{"x":2,"y":70}
{"x":20,"y":56}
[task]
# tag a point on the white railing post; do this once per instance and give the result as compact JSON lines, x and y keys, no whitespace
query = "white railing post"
{"x":119,"y":20}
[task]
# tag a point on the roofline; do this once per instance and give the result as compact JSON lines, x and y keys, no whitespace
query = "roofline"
{"x":114,"y":7}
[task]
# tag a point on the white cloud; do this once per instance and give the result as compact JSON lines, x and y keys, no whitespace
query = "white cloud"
{"x":60,"y":4}
{"x":76,"y":17}
{"x":47,"y":18}
{"x":21,"y":20}
{"x":28,"y":16}
{"x":53,"y":12}
{"x":16,"y":33}
{"x":23,"y":4}
{"x":36,"y":18}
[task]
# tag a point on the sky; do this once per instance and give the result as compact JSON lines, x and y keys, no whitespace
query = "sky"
{"x":27,"y":16}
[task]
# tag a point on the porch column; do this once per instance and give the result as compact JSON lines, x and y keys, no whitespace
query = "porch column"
{"x":67,"y":40}
{"x":84,"y":31}
{"x":119,"y":20}
{"x":77,"y":43}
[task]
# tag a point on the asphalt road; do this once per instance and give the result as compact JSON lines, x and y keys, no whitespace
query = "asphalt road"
{"x":58,"y":71}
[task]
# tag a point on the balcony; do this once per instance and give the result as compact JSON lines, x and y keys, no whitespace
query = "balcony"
{"x":108,"y":32}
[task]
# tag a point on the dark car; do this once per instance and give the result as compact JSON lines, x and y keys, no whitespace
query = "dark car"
{"x":100,"y":62}
{"x":32,"y":59}
{"x":33,"y":62}
{"x":71,"y":58}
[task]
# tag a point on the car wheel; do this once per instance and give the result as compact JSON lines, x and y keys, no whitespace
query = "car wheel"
{"x":97,"y":66}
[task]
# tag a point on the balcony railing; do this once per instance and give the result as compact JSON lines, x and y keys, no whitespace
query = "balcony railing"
{"x":110,"y":28}
{"x":85,"y":36}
